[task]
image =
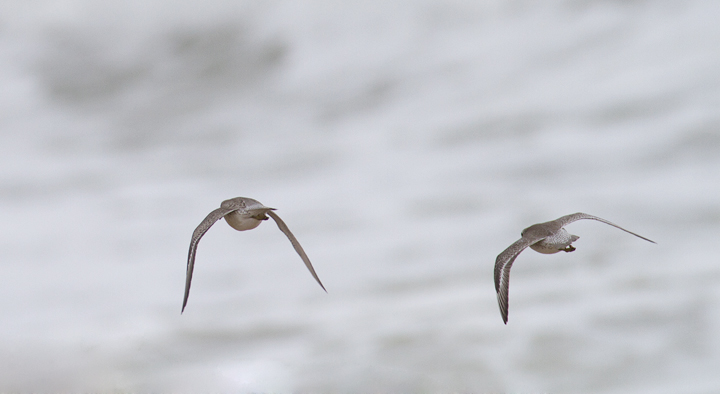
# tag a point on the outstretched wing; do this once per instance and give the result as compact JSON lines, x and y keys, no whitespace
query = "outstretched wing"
{"x":204,"y":226}
{"x":567,"y":219}
{"x":503,"y":263}
{"x":284,"y":228}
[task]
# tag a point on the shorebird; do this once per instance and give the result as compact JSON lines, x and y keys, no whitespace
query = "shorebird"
{"x":548,"y":238}
{"x":241,"y":213}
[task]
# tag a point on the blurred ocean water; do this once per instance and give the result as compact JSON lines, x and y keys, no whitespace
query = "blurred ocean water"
{"x":406,"y":144}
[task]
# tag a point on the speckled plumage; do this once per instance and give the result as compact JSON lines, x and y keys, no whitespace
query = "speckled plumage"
{"x":242,"y":214}
{"x":549,"y":237}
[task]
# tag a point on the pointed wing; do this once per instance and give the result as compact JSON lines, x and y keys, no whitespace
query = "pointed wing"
{"x":284,"y":228}
{"x":503,"y":263}
{"x":204,"y":226}
{"x":567,"y":219}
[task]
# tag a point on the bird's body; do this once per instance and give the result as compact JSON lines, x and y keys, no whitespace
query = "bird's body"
{"x":242,"y":214}
{"x":556,"y":242}
{"x":547,"y":238}
{"x":243,"y":220}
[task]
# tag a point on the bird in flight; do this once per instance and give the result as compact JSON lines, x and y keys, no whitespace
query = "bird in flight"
{"x":241,"y":213}
{"x":548,"y":238}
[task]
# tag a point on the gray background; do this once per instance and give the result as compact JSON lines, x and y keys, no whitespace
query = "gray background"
{"x":406,"y":144}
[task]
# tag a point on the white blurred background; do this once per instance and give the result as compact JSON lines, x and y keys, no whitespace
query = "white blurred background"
{"x":406,"y":144}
